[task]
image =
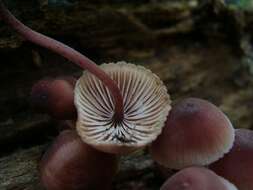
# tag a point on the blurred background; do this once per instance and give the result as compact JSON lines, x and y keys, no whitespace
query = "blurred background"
{"x":198,"y":48}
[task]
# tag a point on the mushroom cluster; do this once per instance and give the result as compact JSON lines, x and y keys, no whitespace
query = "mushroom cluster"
{"x":119,"y":108}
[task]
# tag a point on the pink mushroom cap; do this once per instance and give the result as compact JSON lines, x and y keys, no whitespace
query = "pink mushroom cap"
{"x":197,"y":178}
{"x":196,"y":133}
{"x":237,"y":165}
{"x":55,"y":97}
{"x":70,"y":164}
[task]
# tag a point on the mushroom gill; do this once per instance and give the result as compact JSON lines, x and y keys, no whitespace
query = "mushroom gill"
{"x":146,"y":106}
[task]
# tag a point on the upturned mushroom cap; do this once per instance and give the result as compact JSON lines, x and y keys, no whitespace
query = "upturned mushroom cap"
{"x":146,"y":106}
{"x":237,"y":165}
{"x":197,"y":178}
{"x":196,"y":133}
{"x":70,"y":164}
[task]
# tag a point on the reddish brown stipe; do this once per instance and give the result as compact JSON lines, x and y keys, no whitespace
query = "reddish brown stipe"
{"x":121,"y":106}
{"x":67,"y":52}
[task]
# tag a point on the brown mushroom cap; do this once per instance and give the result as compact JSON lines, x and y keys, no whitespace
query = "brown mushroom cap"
{"x":62,"y":99}
{"x":70,"y":164}
{"x":237,"y":165}
{"x":55,"y":97}
{"x":196,"y":133}
{"x":197,"y":178}
{"x":146,"y":106}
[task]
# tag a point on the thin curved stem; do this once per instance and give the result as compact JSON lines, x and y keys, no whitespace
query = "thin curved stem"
{"x":67,"y":52}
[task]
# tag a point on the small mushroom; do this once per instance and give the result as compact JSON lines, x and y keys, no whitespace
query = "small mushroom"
{"x":146,"y":106}
{"x":70,"y":164}
{"x":197,"y":133}
{"x":55,"y":97}
{"x":237,"y":165}
{"x":121,"y":107}
{"x":197,"y":178}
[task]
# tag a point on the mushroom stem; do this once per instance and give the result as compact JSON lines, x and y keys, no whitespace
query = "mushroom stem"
{"x":67,"y":52}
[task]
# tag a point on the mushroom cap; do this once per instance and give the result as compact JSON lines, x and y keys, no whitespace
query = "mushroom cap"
{"x":237,"y":165}
{"x":70,"y":164}
{"x":197,"y":133}
{"x":197,"y":178}
{"x":55,"y":97}
{"x":146,"y":106}
{"x":62,"y":99}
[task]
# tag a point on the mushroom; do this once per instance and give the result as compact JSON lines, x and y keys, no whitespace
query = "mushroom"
{"x":197,"y":178}
{"x":121,"y":107}
{"x":197,"y":133}
{"x":146,"y":105}
{"x":70,"y":164}
{"x":55,"y":97}
{"x":237,"y":165}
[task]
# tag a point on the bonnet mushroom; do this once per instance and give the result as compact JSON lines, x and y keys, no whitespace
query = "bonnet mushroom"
{"x":237,"y":165}
{"x":70,"y":164}
{"x":146,"y":105}
{"x":197,"y":178}
{"x":197,"y":133}
{"x":120,"y":106}
{"x":55,"y":97}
